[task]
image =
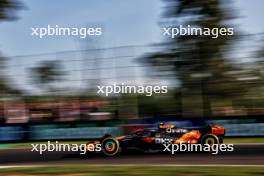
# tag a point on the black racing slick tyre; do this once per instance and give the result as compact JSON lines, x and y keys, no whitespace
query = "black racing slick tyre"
{"x":210,"y":139}
{"x":110,"y":146}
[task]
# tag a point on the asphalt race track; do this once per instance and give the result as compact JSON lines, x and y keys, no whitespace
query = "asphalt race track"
{"x":243,"y":154}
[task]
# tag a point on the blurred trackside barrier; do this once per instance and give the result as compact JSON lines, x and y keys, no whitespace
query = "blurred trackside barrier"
{"x":253,"y":127}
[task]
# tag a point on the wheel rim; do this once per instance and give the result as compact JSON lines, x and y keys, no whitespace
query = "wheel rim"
{"x":209,"y":141}
{"x":110,"y":146}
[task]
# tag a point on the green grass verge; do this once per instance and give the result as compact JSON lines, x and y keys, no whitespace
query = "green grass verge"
{"x":28,"y":144}
{"x":243,"y":140}
{"x":84,"y":170}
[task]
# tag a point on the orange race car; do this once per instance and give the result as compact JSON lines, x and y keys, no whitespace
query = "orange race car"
{"x":153,"y":140}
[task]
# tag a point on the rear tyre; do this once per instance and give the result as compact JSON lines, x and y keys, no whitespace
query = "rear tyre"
{"x":210,"y":139}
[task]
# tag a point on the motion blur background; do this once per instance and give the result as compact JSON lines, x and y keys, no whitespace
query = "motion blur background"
{"x":48,"y":86}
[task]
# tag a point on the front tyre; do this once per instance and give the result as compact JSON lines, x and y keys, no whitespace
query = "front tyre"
{"x":110,"y":146}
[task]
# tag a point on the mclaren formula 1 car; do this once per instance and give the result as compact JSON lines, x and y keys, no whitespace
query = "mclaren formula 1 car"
{"x":153,"y":140}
